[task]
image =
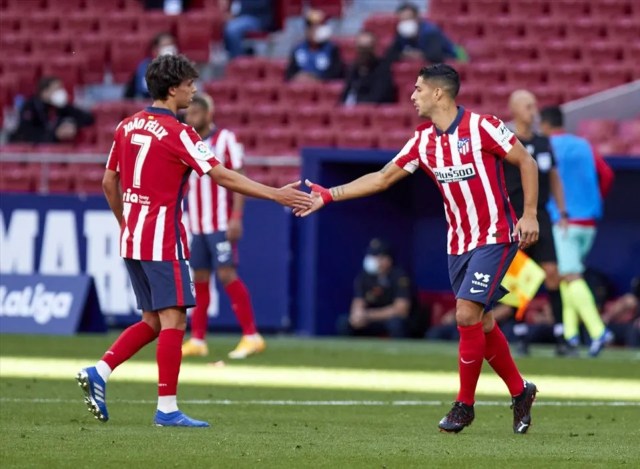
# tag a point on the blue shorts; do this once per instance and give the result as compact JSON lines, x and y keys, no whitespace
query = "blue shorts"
{"x":476,"y":275}
{"x":161,"y":284}
{"x":210,"y":251}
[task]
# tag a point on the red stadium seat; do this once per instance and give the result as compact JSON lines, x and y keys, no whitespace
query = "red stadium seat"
{"x":78,"y":24}
{"x":88,"y":178}
{"x":612,"y":147}
{"x":28,"y":68}
{"x":108,"y":113}
{"x":464,"y":28}
{"x":611,"y":9}
{"x":610,"y":75}
{"x":558,"y":52}
{"x":585,"y":29}
{"x":597,"y":129}
{"x":274,"y":69}
{"x":267,"y":115}
{"x":525,"y":75}
{"x":330,"y":92}
{"x":151,"y":23}
{"x":125,"y":54}
{"x":276,"y":142}
{"x":629,"y":131}
{"x":39,"y":22}
{"x":59,"y":177}
{"x":390,"y":117}
{"x":15,"y":42}
{"x":283,"y":175}
{"x":22,"y":6}
{"x":135,"y":5}
{"x":195,"y":33}
{"x":222,"y":91}
{"x":623,"y":30}
{"x":496,"y":100}
{"x":354,"y":117}
{"x":50,"y":45}
{"x":528,"y":9}
{"x":332,"y":8}
{"x":599,"y":52}
{"x":69,"y":6}
{"x":487,"y":8}
{"x":499,"y":28}
{"x":118,"y":23}
{"x":308,"y":117}
{"x":299,"y":93}
{"x":247,"y":137}
{"x":381,"y":24}
{"x":393,"y":139}
{"x":569,"y":8}
{"x":549,"y":95}
{"x":519,"y":51}
{"x":567,"y":74}
{"x":94,"y":48}
{"x":16,"y":177}
{"x":231,"y":115}
{"x":9,"y":22}
{"x":544,"y":28}
{"x":577,"y":92}
{"x":104,"y":136}
{"x":634,"y":149}
{"x":447,"y":8}
{"x":66,"y":68}
{"x":254,"y":93}
{"x":482,"y":49}
{"x":487,"y":73}
{"x":347,"y":46}
{"x":246,"y":68}
{"x":356,"y":139}
{"x":471,"y":95}
{"x":316,"y":137}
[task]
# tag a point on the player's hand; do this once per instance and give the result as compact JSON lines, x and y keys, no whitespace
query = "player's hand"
{"x":290,"y":196}
{"x":563,"y":224}
{"x":529,"y":230}
{"x":234,"y":230}
{"x":320,"y":196}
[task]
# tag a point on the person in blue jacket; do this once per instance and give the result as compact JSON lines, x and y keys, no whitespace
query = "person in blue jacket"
{"x":161,"y":44}
{"x":246,"y":16}
{"x":316,"y":58}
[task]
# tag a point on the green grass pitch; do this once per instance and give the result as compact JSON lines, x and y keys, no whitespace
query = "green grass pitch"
{"x":314,"y":403}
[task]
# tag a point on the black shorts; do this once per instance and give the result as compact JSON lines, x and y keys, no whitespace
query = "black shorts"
{"x":544,"y":250}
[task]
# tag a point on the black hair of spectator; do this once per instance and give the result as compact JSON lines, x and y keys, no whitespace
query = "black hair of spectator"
{"x":445,"y":75}
{"x":155,"y":42}
{"x":168,"y":71}
{"x":46,"y":82}
{"x":553,"y":116}
{"x":200,"y":100}
{"x":408,"y":6}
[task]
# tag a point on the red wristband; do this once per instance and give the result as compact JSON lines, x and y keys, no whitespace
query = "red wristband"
{"x":324,"y":193}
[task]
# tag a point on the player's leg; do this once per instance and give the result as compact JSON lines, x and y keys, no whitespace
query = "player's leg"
{"x":201,"y":263}
{"x":226,"y":261}
{"x":171,"y":295}
{"x":567,"y":253}
{"x":93,"y":379}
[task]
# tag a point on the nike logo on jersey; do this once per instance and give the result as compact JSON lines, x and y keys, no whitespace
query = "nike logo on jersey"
{"x":473,"y":290}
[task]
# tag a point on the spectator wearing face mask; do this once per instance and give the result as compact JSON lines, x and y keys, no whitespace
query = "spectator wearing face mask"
{"x":48,"y":117}
{"x":382,"y":297}
{"x":420,"y":39}
{"x":369,"y":78}
{"x":316,"y":58}
{"x":162,"y":44}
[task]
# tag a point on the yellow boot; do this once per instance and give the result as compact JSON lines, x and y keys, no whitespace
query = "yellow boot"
{"x":195,"y":348}
{"x":248,"y":345}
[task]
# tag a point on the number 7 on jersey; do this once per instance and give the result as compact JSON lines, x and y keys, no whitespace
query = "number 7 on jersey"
{"x":145,"y":143}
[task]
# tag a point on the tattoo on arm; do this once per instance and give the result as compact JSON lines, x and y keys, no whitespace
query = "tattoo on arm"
{"x":387,"y":166}
{"x":337,"y":192}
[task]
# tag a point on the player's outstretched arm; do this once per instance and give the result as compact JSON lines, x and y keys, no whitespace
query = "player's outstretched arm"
{"x":528,"y":225}
{"x":368,"y":184}
{"x":288,"y":195}
{"x":112,"y":192}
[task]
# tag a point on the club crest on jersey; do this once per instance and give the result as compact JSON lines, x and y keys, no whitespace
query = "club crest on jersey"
{"x":458,"y":173}
{"x":464,"y":145}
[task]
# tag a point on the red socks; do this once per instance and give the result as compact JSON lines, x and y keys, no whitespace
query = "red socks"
{"x":241,"y":305}
{"x":470,"y":356}
{"x":169,"y":356}
{"x":128,"y":343}
{"x":199,"y":317}
{"x":499,"y":357}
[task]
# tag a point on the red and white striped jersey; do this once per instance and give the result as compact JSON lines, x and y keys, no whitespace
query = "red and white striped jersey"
{"x":466,"y":163}
{"x":210,"y":205}
{"x":155,"y":154}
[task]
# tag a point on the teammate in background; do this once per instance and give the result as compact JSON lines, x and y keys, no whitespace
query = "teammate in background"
{"x":586,"y":179}
{"x":145,"y":182}
{"x":215,"y":216}
{"x":524,"y":111}
{"x":463,"y":152}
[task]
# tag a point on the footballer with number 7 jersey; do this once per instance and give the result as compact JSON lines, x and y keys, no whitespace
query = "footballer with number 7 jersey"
{"x":463,"y":152}
{"x":151,"y":159}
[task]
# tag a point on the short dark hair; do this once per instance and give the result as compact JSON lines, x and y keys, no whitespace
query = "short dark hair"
{"x":408,"y":6}
{"x":553,"y":116}
{"x":202,"y":101}
{"x":46,"y":82}
{"x":445,"y":75}
{"x":168,"y":71}
{"x":155,"y":42}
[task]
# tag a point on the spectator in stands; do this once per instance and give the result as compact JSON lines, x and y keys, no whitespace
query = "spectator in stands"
{"x":162,"y":44}
{"x":369,"y":78}
{"x":420,"y":39}
{"x":382,"y":298}
{"x":170,"y":7}
{"x":623,"y":316}
{"x":49,"y":117}
{"x":584,"y":187}
{"x":246,"y":16}
{"x":316,"y":58}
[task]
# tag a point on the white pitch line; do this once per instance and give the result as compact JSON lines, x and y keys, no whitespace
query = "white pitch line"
{"x":349,"y":403}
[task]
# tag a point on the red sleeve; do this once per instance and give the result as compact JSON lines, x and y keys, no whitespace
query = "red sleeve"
{"x":605,"y":174}
{"x":194,"y":152}
{"x":113,"y":161}
{"x":409,"y":157}
{"x":496,"y":138}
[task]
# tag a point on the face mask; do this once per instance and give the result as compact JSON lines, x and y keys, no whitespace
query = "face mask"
{"x":59,"y":98}
{"x":371,"y":264}
{"x":168,"y":50}
{"x":408,"y":28}
{"x":322,"y":33}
